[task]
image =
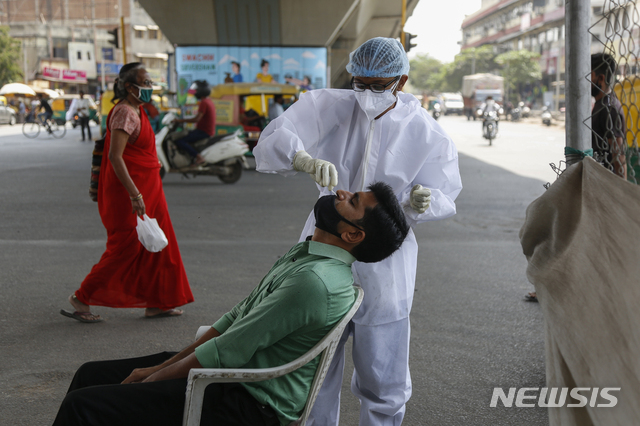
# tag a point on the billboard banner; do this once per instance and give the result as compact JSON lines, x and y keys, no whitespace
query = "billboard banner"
{"x":214,"y":64}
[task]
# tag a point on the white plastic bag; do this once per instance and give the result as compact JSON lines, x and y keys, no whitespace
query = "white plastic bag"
{"x":151,"y":235}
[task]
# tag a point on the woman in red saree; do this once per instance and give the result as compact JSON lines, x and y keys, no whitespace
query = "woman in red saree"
{"x":129,"y":276}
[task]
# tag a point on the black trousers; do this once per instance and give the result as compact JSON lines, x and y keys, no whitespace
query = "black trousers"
{"x":96,"y":398}
{"x":84,"y":122}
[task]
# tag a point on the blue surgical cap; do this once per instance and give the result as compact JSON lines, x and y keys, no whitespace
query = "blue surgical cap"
{"x":379,"y":57}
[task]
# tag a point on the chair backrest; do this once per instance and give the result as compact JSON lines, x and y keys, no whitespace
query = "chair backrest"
{"x":327,"y":346}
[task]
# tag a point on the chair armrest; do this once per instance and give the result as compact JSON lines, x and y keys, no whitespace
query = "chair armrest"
{"x":201,"y":330}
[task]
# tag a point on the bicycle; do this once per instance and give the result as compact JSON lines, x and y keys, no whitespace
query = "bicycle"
{"x":31,"y":128}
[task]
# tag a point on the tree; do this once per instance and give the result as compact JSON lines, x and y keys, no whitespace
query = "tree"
{"x":470,"y":61}
{"x":10,"y":54}
{"x":519,"y":67}
{"x":425,"y":73}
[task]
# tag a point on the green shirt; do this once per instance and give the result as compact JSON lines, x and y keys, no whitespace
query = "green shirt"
{"x":295,"y":305}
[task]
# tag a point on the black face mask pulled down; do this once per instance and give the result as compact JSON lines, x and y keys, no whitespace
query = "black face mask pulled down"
{"x":327,"y":217}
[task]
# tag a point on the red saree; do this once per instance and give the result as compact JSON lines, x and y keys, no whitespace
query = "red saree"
{"x":129,"y":276}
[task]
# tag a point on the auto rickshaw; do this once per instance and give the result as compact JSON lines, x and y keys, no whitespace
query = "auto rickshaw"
{"x":628,"y":92}
{"x":246,"y":105}
{"x":61,"y":105}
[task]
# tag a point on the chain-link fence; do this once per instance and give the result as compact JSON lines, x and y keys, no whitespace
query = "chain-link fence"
{"x":615,"y":77}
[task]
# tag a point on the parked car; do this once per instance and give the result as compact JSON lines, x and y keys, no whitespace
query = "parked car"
{"x":7,"y":114}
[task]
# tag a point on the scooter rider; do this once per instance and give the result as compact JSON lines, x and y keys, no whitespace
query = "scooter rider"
{"x":205,"y":122}
{"x":487,"y":107}
{"x":348,"y":139}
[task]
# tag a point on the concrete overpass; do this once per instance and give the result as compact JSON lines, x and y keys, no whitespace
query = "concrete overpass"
{"x":338,"y":25}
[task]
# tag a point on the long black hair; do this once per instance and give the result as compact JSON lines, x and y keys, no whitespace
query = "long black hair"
{"x":128,"y":74}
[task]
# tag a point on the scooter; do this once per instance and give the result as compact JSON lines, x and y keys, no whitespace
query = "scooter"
{"x":524,"y":110}
{"x":224,"y":154}
{"x":490,"y":126}
{"x":546,"y":116}
{"x":437,"y":111}
{"x":515,"y":114}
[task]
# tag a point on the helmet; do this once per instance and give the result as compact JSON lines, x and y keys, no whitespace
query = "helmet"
{"x":202,"y":88}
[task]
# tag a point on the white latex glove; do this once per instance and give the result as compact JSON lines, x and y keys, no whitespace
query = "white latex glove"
{"x":420,"y":198}
{"x":321,"y":171}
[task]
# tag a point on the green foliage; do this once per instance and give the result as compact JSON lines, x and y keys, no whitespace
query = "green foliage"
{"x":469,"y":61}
{"x":10,"y":55}
{"x":519,"y":67}
{"x":425,"y":73}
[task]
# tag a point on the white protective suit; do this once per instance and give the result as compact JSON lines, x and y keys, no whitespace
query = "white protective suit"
{"x":402,"y":148}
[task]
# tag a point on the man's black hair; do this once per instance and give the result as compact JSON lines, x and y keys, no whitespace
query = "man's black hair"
{"x":604,"y":64}
{"x":384,"y":225}
{"x":238,"y":64}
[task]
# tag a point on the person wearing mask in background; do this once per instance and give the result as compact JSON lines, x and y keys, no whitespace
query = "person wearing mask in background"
{"x":235,"y":68}
{"x":82,"y":108}
{"x":205,"y":121}
{"x":347,"y":139}
{"x":127,"y":275}
{"x":276,"y":109}
{"x":607,"y":119}
{"x":263,"y":76}
{"x":489,"y":105}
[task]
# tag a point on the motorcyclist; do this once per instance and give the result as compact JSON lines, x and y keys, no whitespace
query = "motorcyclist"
{"x":487,"y":107}
{"x":205,"y":122}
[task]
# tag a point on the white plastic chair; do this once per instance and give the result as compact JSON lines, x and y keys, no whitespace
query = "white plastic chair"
{"x":200,"y":378}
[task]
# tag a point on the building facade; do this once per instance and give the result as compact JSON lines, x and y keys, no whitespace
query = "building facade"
{"x":535,"y":25}
{"x":69,"y":44}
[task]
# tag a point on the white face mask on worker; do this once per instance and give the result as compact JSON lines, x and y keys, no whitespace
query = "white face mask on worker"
{"x":374,"y":104}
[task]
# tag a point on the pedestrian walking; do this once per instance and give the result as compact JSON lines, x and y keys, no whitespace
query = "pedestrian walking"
{"x":127,"y":275}
{"x":348,"y":139}
{"x":82,"y":108}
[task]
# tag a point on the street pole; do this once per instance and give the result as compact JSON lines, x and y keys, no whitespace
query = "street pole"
{"x":578,"y":68}
{"x":124,"y":41}
{"x":24,"y":62}
{"x":104,"y":87}
{"x":404,"y":19}
{"x":557,"y":100}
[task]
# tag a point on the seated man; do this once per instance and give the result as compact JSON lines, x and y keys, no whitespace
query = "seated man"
{"x":205,"y":122}
{"x":303,"y":296}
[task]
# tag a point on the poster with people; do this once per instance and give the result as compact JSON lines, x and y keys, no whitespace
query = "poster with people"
{"x":228,"y":64}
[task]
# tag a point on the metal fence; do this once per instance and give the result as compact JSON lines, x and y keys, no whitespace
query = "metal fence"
{"x":615,"y":118}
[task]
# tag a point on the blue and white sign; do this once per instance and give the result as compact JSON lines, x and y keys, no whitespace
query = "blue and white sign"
{"x":214,"y":63}
{"x":110,"y":68}
{"x":107,"y":53}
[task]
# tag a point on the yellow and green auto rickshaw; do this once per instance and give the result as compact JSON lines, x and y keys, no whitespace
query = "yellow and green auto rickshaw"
{"x":61,"y":105}
{"x":246,"y":105}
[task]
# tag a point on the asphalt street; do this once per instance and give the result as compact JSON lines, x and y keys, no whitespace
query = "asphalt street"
{"x":471,"y":329}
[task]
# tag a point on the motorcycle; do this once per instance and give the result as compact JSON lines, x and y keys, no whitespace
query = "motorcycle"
{"x":515,"y":114}
{"x":437,"y":111}
{"x":546,"y":116}
{"x":525,"y":111}
{"x":224,"y":154}
{"x":490,"y":125}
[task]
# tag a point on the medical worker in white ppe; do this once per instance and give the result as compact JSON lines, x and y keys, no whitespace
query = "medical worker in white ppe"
{"x":348,"y":139}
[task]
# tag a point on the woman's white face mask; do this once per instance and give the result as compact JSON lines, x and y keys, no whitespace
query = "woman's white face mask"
{"x":374,"y":104}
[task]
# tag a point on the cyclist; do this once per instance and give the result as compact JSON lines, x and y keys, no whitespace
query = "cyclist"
{"x":48,"y":112}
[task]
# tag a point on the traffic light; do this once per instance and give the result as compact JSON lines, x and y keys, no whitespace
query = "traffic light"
{"x":407,"y":41}
{"x":114,"y":32}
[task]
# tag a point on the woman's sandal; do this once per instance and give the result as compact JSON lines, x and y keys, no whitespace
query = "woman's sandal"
{"x":87,"y":317}
{"x":164,"y":314}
